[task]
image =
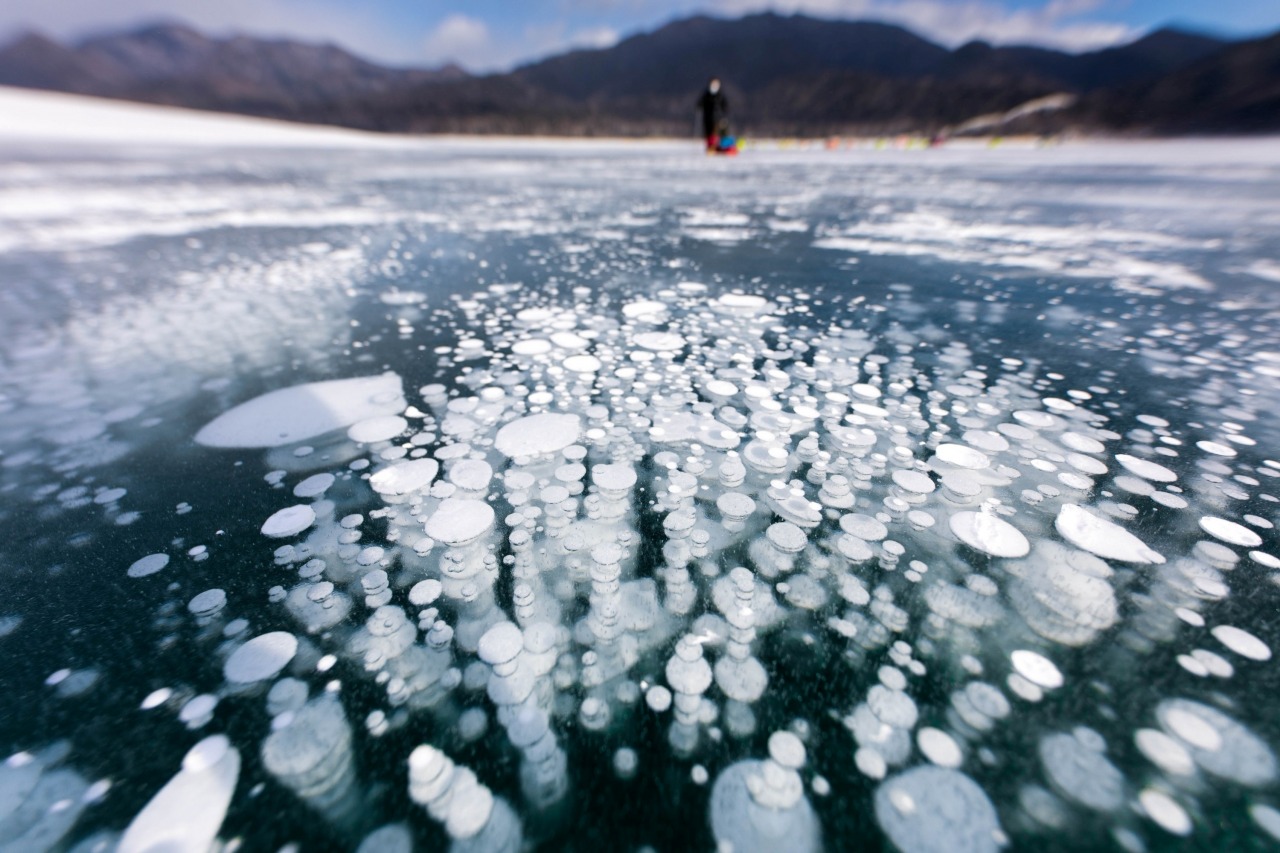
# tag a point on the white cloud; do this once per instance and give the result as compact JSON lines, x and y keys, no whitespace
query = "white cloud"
{"x":477,"y":48}
{"x":596,"y":38}
{"x":1056,"y":23}
{"x":461,"y":39}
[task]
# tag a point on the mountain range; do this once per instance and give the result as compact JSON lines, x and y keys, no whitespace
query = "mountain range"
{"x":784,"y":75}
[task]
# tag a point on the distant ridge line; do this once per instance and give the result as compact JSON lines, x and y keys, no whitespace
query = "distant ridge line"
{"x":786,"y":75}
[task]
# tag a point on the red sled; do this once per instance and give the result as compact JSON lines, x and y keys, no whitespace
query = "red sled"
{"x":726,"y":145}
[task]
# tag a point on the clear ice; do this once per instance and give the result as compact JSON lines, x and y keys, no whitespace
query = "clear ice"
{"x":500,"y":498}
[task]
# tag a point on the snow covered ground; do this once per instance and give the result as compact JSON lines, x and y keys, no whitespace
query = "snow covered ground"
{"x":509,"y":494}
{"x":35,"y":116}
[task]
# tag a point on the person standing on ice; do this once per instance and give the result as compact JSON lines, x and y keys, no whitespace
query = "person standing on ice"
{"x":715,"y":115}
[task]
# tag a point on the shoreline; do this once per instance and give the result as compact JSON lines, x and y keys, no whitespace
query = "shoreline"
{"x":38,"y":117}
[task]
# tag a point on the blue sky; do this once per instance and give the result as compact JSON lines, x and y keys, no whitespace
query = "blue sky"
{"x":486,"y":35}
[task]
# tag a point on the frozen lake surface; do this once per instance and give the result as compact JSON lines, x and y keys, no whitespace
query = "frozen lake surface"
{"x":600,"y":496}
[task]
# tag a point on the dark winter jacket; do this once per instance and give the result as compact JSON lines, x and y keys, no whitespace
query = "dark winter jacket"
{"x":715,"y":112}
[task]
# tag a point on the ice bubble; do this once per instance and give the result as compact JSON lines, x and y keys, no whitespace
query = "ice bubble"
{"x":613,"y":477}
{"x":687,"y":671}
{"x":985,"y":440}
{"x":1036,"y":420}
{"x":1215,"y":448}
{"x":1193,"y":666}
{"x":148,"y":565}
{"x":920,"y":520}
{"x":374,"y":430}
{"x":987,"y":700}
{"x":937,"y":810}
{"x":1242,"y":642}
{"x":741,"y":303}
{"x":198,"y":710}
{"x":804,"y":592}
{"x":296,"y":414}
{"x":1230,"y":532}
{"x":963,"y":456}
{"x":1262,"y":558}
{"x":864,"y":527}
{"x":1146,"y":469}
{"x":960,"y":486}
{"x":892,"y":678}
{"x":720,"y":389}
{"x":915,"y":482}
{"x":582,"y":364}
{"x":71,"y":683}
{"x":659,"y":341}
{"x":184,"y":816}
{"x":314,"y":486}
{"x":289,"y":521}
{"x":870,"y":762}
{"x":758,"y":807}
{"x":156,"y":698}
{"x":1135,"y":486}
{"x":1267,"y":818}
{"x":208,"y":602}
{"x":392,"y":838}
{"x":536,"y":435}
{"x":658,"y":698}
{"x":991,"y":535}
{"x":500,"y":644}
{"x":870,"y":412}
{"x":1165,"y":811}
{"x":471,"y":474}
{"x":472,"y":724}
{"x":1213,"y":663}
{"x":625,"y":762}
{"x":1164,"y":752}
{"x":892,"y":707}
{"x":1171,"y":501}
{"x":786,"y":537}
{"x":1079,"y":769}
{"x":644,"y":309}
{"x":531,"y":346}
{"x":1219,"y":744}
{"x":534,"y":316}
{"x":1102,"y":537}
{"x":1086,"y":464}
{"x":1037,"y":669}
{"x":459,"y":521}
{"x":786,"y":749}
{"x":404,"y":478}
{"x":1081,"y":443}
{"x":286,"y":696}
{"x":261,"y":658}
{"x":735,"y":507}
{"x":939,"y":747}
{"x":424,"y":593}
{"x":1191,"y":728}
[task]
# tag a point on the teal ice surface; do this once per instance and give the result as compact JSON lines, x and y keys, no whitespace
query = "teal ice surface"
{"x":1077,"y":345}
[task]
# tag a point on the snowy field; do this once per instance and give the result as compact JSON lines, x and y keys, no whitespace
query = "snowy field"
{"x":395,"y":494}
